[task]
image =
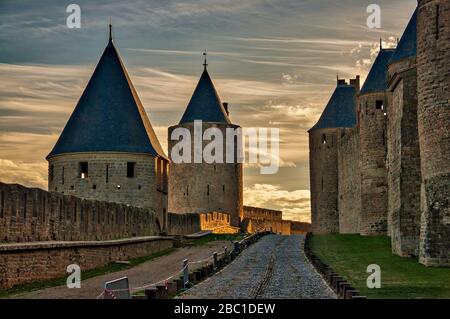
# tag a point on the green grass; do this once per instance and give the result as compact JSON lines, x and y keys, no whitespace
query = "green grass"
{"x":113,"y":267}
{"x":215,"y":237}
{"x":349,"y":256}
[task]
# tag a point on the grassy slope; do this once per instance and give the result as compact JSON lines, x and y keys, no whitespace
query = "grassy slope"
{"x":349,"y":255}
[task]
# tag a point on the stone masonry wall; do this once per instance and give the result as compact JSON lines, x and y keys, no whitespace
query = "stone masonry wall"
{"x":349,"y":182}
{"x":262,"y":213}
{"x":433,"y":68}
{"x":373,"y":147}
{"x":107,"y":179}
{"x":205,"y":187}
{"x":183,"y":224}
{"x":324,"y":180}
{"x":32,"y":214}
{"x":404,"y":176}
{"x":26,"y":262}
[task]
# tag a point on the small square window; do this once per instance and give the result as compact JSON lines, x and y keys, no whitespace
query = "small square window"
{"x":379,"y":105}
{"x":131,"y":169}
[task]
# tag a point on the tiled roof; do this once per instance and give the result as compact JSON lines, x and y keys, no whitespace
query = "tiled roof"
{"x":109,"y":116}
{"x":340,"y":110}
{"x":205,"y":103}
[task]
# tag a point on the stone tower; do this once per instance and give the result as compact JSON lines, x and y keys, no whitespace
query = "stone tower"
{"x":197,"y":186}
{"x":323,"y":156}
{"x":403,"y":156}
{"x":433,"y":68}
{"x":108,"y":150}
{"x":372,"y":119}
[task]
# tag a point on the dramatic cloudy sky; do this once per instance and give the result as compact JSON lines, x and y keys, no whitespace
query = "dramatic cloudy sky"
{"x":274,"y":61}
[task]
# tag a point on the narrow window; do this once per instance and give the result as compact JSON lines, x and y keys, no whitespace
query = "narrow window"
{"x":131,"y":169}
{"x":437,"y":21}
{"x":324,"y":139}
{"x":83,"y":170}
{"x":159,"y":176}
{"x":379,"y":105}
{"x":94,"y":187}
{"x":223,"y":188}
{"x":187,"y":190}
{"x":62,"y":176}
{"x":322,"y":182}
{"x":207,"y":190}
{"x":107,"y":173}
{"x":165,"y":176}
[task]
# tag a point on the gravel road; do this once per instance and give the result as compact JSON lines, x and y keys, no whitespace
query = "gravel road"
{"x":274,"y":267}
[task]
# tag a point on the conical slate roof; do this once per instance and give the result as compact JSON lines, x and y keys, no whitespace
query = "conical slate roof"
{"x":377,"y":78}
{"x":205,"y":103}
{"x":109,"y":116}
{"x":340,"y":110}
{"x":407,"y":47}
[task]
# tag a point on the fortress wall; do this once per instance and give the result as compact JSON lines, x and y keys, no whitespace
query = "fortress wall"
{"x":404,"y":175}
{"x":32,"y":214}
{"x":373,"y":145}
{"x":182,"y":224}
{"x":26,"y":262}
{"x":349,"y":184}
{"x":324,"y":180}
{"x":204,"y":187}
{"x":262,"y":213}
{"x":107,"y":179}
{"x":433,"y":68}
{"x":300,"y":227}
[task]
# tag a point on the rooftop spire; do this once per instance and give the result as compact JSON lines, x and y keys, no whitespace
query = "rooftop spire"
{"x":381,"y":44}
{"x":110,"y":30}
{"x":204,"y":54}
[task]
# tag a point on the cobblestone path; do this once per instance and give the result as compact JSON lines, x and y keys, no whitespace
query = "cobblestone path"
{"x":274,"y":267}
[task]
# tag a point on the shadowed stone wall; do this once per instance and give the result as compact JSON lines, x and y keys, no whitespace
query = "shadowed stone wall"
{"x":403,"y":159}
{"x":433,"y":68}
{"x":26,"y":262}
{"x":349,"y":181}
{"x":323,"y":166}
{"x":32,"y":214}
{"x":373,"y":145}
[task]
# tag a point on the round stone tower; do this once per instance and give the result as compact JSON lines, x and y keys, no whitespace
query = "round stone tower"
{"x":323,"y":156}
{"x":433,"y":85}
{"x":372,"y":117}
{"x":197,"y":185}
{"x":108,"y":150}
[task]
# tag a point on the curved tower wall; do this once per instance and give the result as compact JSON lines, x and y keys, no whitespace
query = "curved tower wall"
{"x":323,"y":167}
{"x":433,"y":68}
{"x":373,"y":147}
{"x":403,"y":158}
{"x":204,"y":187}
{"x":108,"y":179}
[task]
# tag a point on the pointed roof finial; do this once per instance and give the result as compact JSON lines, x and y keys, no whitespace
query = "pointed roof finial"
{"x":110,"y":30}
{"x":381,"y":44}
{"x":204,"y":54}
{"x":337,"y":77}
